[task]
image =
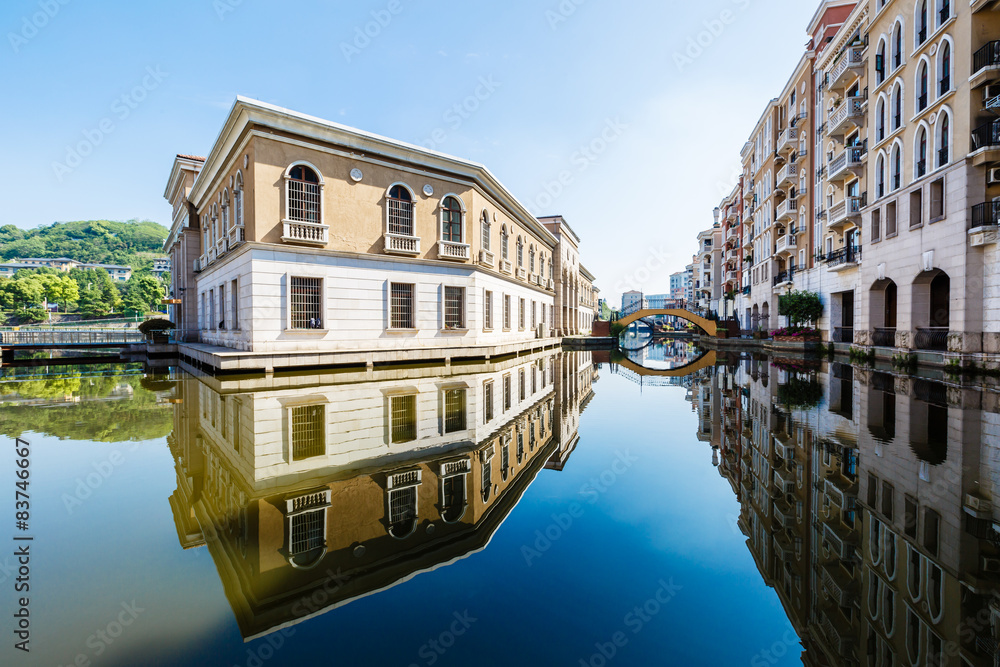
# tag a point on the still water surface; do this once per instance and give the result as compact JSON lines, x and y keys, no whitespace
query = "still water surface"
{"x":556,"y":509}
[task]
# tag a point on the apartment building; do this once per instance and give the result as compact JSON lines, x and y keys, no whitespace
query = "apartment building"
{"x":730,"y":216}
{"x":708,"y":271}
{"x":299,"y":235}
{"x":886,"y":139}
{"x":117,"y":272}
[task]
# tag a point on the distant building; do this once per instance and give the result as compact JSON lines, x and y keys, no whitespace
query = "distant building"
{"x":161,"y":265}
{"x":679,"y":284}
{"x":632,"y":301}
{"x":117,"y":272}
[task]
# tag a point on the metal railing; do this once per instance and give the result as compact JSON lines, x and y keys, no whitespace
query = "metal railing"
{"x":986,"y":214}
{"x":849,"y":255}
{"x":986,"y":135}
{"x":884,"y":337}
{"x":70,"y":337}
{"x":932,"y":338}
{"x":783,"y":277}
{"x":988,"y":56}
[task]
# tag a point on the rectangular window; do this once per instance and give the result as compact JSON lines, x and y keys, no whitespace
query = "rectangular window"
{"x":222,"y":307}
{"x":932,"y":522}
{"x":520,"y":314}
{"x":937,"y":200}
{"x":876,"y":225}
{"x":506,"y":312}
{"x":210,"y":324}
{"x":890,"y":219}
{"x":454,"y":307}
{"x":488,"y":401}
{"x":401,"y":306}
{"x":234,"y":304}
{"x":910,"y":520}
{"x":308,"y":431}
{"x":520,"y":385}
{"x":454,"y":410}
{"x":534,"y":315}
{"x":204,"y":311}
{"x":306,"y":303}
{"x":402,"y":418}
{"x":488,"y":310}
{"x":534,"y":379}
{"x":887,"y":501}
{"x":872,"y":490}
{"x":307,"y":531}
{"x":916,"y":208}
{"x":506,"y":392}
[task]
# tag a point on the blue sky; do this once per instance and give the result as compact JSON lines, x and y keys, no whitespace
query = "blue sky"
{"x":586,"y":108}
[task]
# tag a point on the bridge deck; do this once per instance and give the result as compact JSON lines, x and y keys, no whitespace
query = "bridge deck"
{"x":69,"y":338}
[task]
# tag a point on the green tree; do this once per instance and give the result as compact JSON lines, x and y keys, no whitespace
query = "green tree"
{"x":143,"y":293}
{"x":59,"y":289}
{"x":800,"y":307}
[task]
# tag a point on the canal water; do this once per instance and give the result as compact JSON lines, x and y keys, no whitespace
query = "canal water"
{"x":655,"y":506}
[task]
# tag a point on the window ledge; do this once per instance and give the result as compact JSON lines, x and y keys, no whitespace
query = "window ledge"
{"x":401,"y":331}
{"x":487,"y":330}
{"x":307,"y":332}
{"x":937,"y":219}
{"x":454,"y":331}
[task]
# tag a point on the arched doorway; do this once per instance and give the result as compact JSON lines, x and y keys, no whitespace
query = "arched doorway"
{"x":755,"y":318}
{"x":765,"y":316}
{"x":882,"y":305}
{"x":932,"y":310}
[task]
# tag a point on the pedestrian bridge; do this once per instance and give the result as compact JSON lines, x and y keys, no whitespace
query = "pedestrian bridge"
{"x":706,"y":360}
{"x":708,"y":326}
{"x":64,"y":339}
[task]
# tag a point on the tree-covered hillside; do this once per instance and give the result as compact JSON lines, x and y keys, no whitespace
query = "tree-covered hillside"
{"x":131,"y":243}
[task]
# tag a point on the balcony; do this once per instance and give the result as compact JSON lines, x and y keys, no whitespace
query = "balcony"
{"x":843,"y":259}
{"x":486,"y":258}
{"x":458,"y":252}
{"x":932,"y":338}
{"x":397,"y":244}
{"x":843,"y":335}
{"x":839,"y":541}
{"x":550,"y":285}
{"x":850,"y":160}
{"x":308,"y":233}
{"x":849,"y":114}
{"x":784,"y":480}
{"x":212,"y":254}
{"x":522,"y":274}
{"x":884,"y":337}
{"x":198,"y":263}
{"x":784,"y":514}
{"x":784,"y":550}
{"x":986,"y":64}
{"x":838,"y":585}
{"x":983,"y":228}
{"x":985,"y":146}
{"x":786,"y":245}
{"x":840,"y":492}
{"x":788,"y":175}
{"x":841,"y":642}
{"x":784,"y":279}
{"x":787,"y":141}
{"x":505,"y":267}
{"x":787,"y":210}
{"x":845,"y":212}
{"x":846,"y":68}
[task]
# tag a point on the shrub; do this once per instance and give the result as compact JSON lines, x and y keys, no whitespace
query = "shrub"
{"x":156,"y":325}
{"x":800,"y":394}
{"x":800,"y":306}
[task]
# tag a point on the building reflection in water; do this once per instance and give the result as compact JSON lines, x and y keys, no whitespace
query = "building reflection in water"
{"x":313,"y":490}
{"x":868,"y":502}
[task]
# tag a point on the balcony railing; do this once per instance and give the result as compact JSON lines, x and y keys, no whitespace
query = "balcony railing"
{"x":850,"y":59}
{"x":783,"y":277}
{"x":851,"y":157}
{"x":505,"y":266}
{"x":932,"y":338}
{"x":843,"y":334}
{"x":305,"y":232}
{"x":787,"y":140}
{"x":844,"y":257}
{"x":788,"y":174}
{"x":986,"y":214}
{"x":884,"y":337}
{"x":988,"y":56}
{"x":785,"y":243}
{"x":787,"y":209}
{"x":486,"y":258}
{"x":844,"y":211}
{"x":452,"y":250}
{"x":986,"y":135}
{"x":522,"y":274}
{"x":849,"y":111}
{"x":398,"y":244}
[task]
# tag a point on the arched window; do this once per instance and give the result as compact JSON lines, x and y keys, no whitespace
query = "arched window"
{"x":880,"y":119}
{"x":238,"y":201}
{"x":944,"y":82}
{"x":944,"y":138}
{"x":897,"y":107}
{"x":486,"y":231}
{"x":897,"y":46}
{"x":225,"y":211}
{"x":944,"y":11}
{"x":400,"y":211}
{"x":303,"y":194}
{"x":504,"y":243}
{"x":541,"y":274}
{"x":531,"y":259}
{"x":880,"y":177}
{"x":880,"y":65}
{"x":922,"y":96}
{"x":921,"y":25}
{"x":920,"y":167}
{"x":520,"y":252}
{"x":215,"y":223}
{"x":897,"y":167}
{"x":451,"y":220}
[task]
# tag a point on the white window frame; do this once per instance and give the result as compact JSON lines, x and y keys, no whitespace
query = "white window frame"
{"x":288,"y":178}
{"x":388,"y":306}
{"x":465,"y":308}
{"x":462,"y":215}
{"x":322,"y":307}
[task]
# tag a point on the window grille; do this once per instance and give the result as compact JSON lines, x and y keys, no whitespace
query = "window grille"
{"x":506,"y":311}
{"x":308,"y":432}
{"x":451,"y":220}
{"x":506,"y":392}
{"x":488,"y":401}
{"x":454,"y":307}
{"x":403,"y":418}
{"x":303,"y":195}
{"x":307,"y":532}
{"x":401,"y":303}
{"x":402,"y":505}
{"x":454,"y":410}
{"x":520,"y":314}
{"x":400,"y":212}
{"x":307,"y":298}
{"x":486,"y":232}
{"x":488,"y":310}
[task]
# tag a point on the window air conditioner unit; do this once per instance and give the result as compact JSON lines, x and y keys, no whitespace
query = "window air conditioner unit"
{"x":993,"y":176}
{"x":990,"y":94}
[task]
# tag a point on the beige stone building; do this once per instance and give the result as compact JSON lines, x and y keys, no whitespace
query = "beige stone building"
{"x":298,"y":235}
